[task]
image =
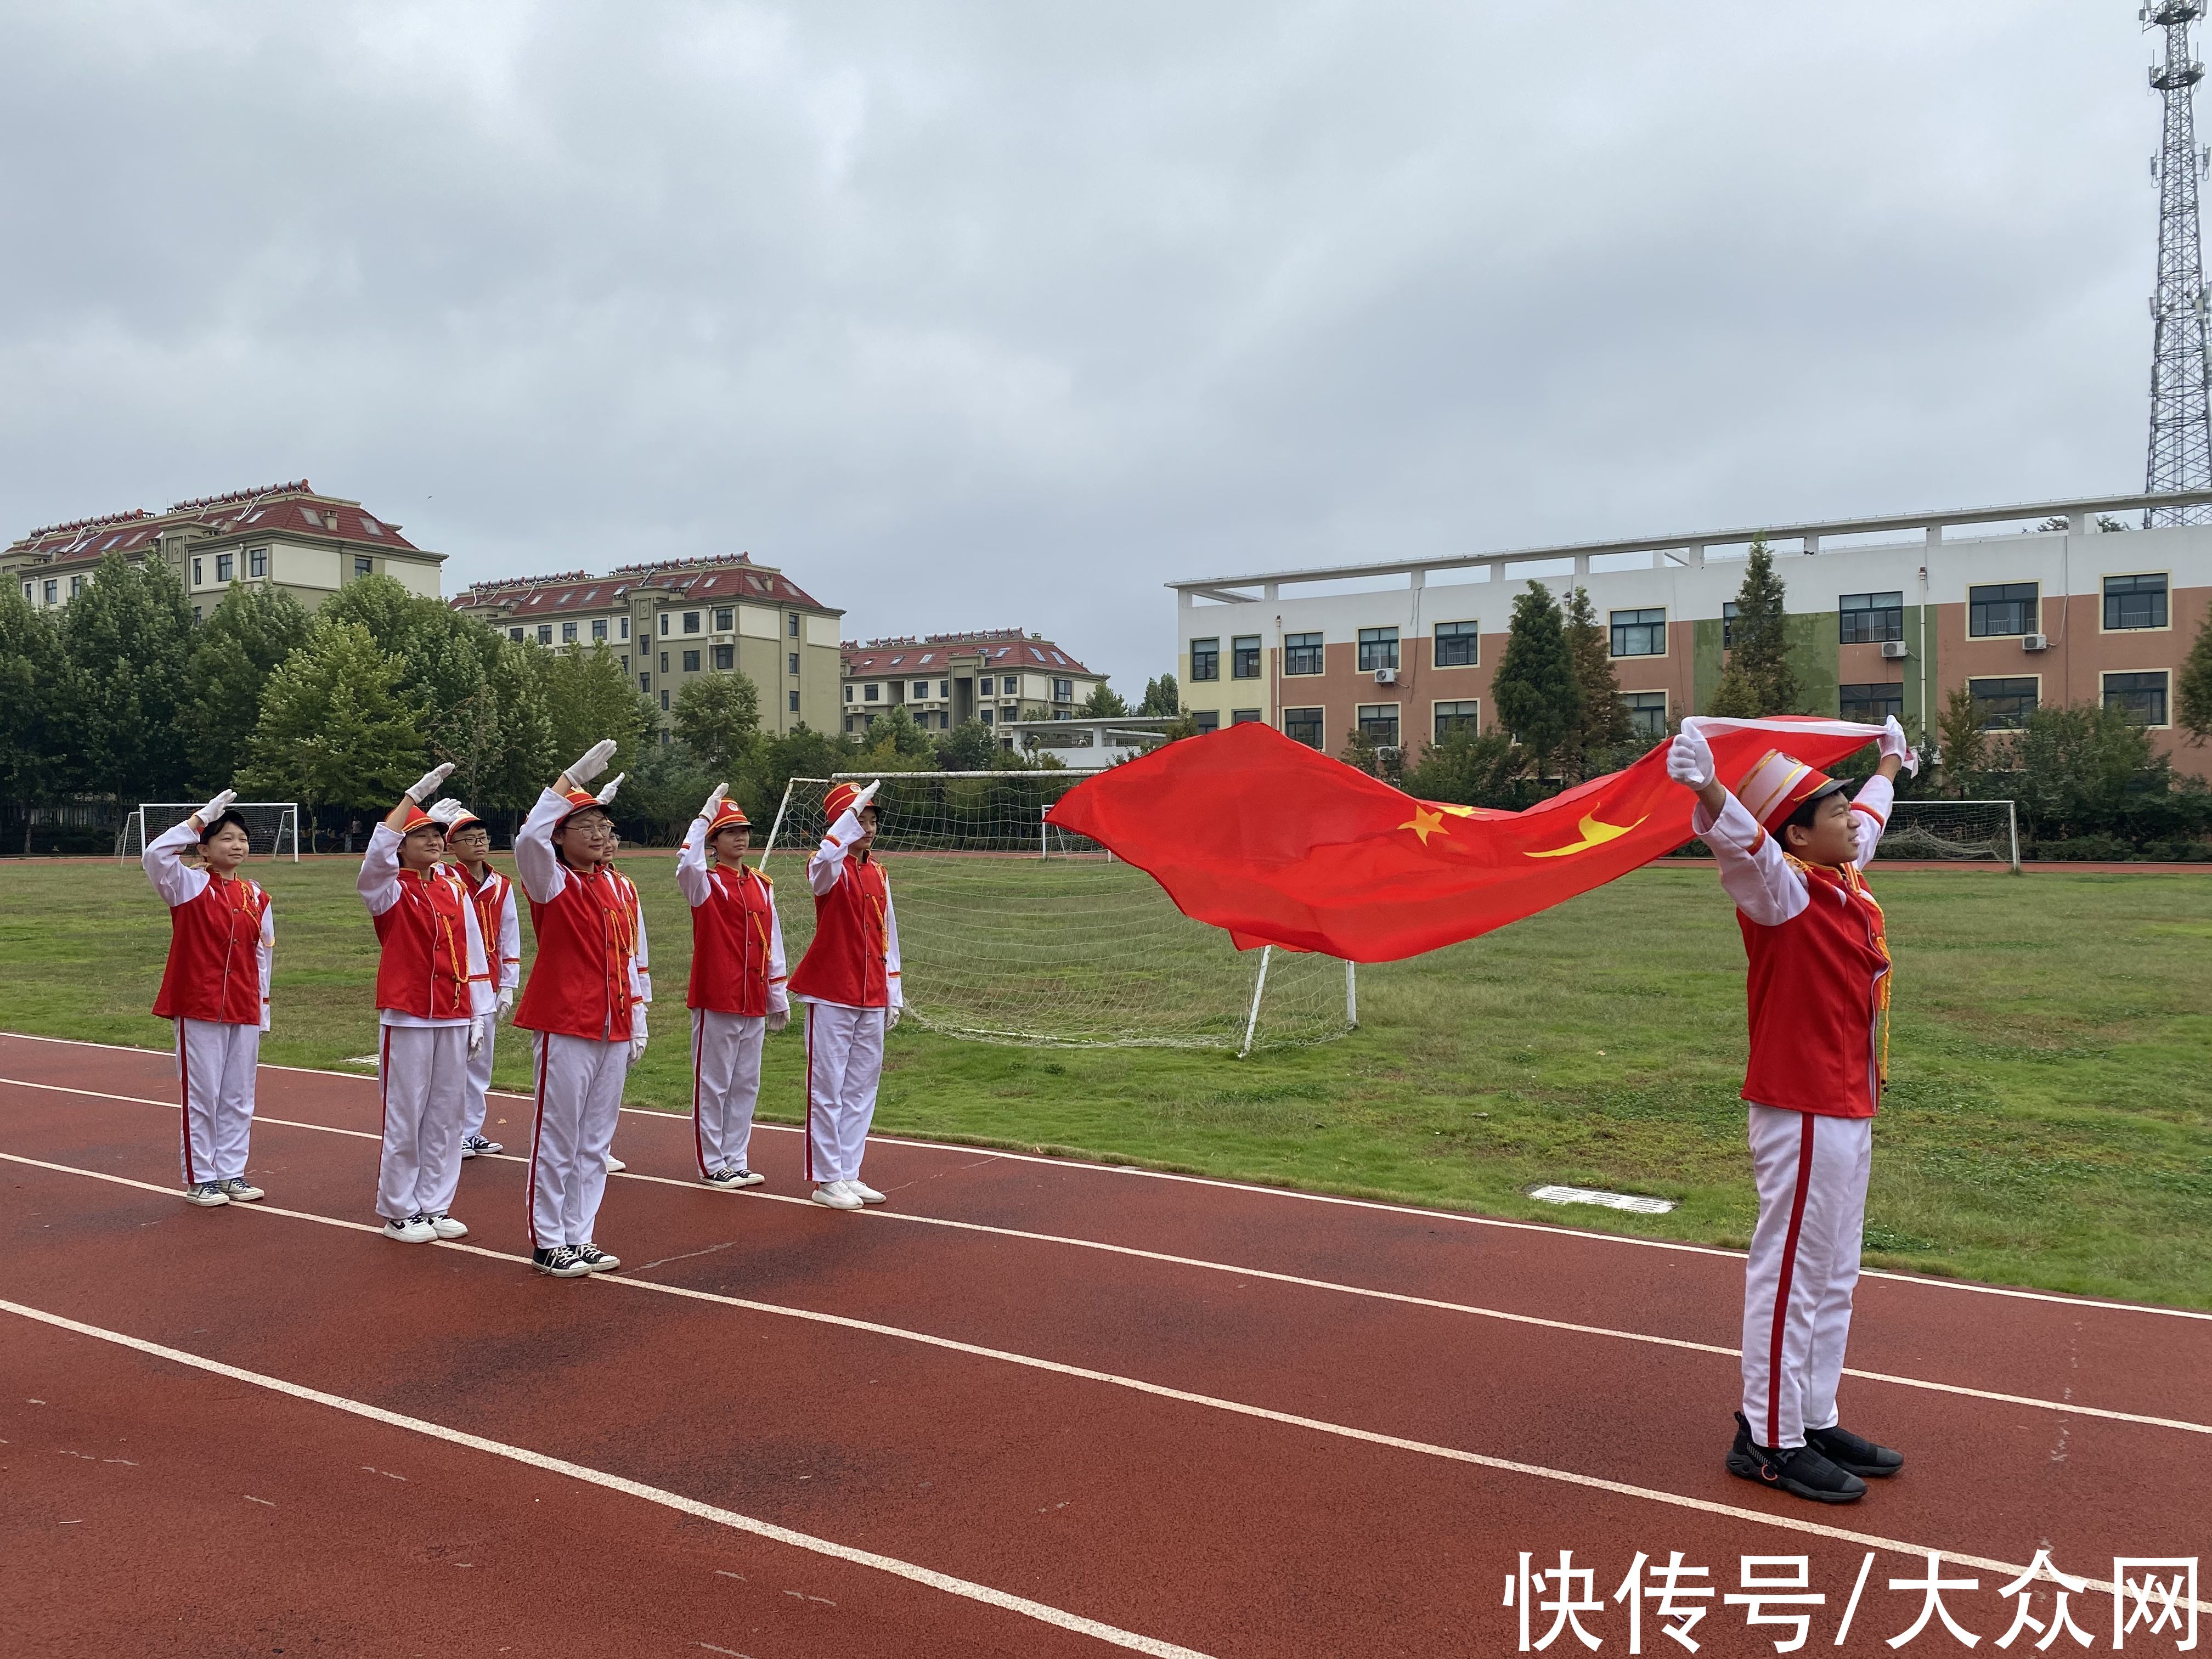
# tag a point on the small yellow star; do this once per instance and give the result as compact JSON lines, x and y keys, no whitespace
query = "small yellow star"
{"x":1424,"y":824}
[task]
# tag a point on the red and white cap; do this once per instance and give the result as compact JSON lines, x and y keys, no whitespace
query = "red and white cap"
{"x":839,"y":800}
{"x":578,"y":800}
{"x":1779,"y":785}
{"x":728,"y":816}
{"x":416,"y":818}
{"x":457,"y":818}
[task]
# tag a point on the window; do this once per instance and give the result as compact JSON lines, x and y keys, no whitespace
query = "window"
{"x":872,"y":694}
{"x":1244,"y":717}
{"x":664,"y":662}
{"x":665,"y":736}
{"x":985,"y":716}
{"x":1306,"y":725}
{"x":794,"y":662}
{"x":645,"y":682}
{"x":791,"y":627}
{"x":1639,"y":633}
{"x":1379,"y":720}
{"x":725,"y":657}
{"x":1872,"y":704}
{"x":28,"y":587}
{"x":1301,"y":653}
{"x":690,"y":662}
{"x":599,"y":629}
{"x":226,"y":566}
{"x":363,"y":566}
{"x":2005,"y":704}
{"x":1728,"y":625}
{"x":983,"y":686}
{"x":625,"y":661}
{"x":1244,"y":658}
{"x":724,"y":619}
{"x":76,"y":586}
{"x":1378,"y":648}
{"x":1869,"y":619}
{"x":514,"y":634}
{"x":664,"y":624}
{"x":690,"y":622}
{"x":2140,"y":696}
{"x":1647,"y":713}
{"x":621,"y":627}
{"x":921,"y":691}
{"x":2002,"y":608}
{"x":1207,"y":719}
{"x":53,"y":593}
{"x":944,"y":688}
{"x":1457,"y":646}
{"x":1452,"y":717}
{"x":1063,"y":691}
{"x":664,"y":703}
{"x":567,"y":633}
{"x":2135,"y":602}
{"x":792,"y":697}
{"x":1206,"y":660}
{"x":196,"y":615}
{"x":545,"y":633}
{"x":199,"y":574}
{"x":257,"y":561}
{"x":848,"y":694}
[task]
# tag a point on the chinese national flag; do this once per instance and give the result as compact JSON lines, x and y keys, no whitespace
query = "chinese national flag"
{"x":1279,"y":845}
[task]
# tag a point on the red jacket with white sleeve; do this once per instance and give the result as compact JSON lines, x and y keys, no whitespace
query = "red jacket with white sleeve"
{"x":854,"y":958}
{"x":736,"y":937}
{"x":432,"y":969}
{"x":493,"y":897}
{"x":591,"y":969}
{"x":222,"y":938}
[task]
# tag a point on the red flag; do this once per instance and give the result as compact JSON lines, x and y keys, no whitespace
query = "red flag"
{"x":1254,"y":833}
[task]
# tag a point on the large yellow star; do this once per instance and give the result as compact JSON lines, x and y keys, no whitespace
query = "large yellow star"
{"x":1424,"y":824}
{"x":1595,"y":834}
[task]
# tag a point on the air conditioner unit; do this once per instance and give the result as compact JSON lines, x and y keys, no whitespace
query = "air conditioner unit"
{"x":1386,"y":676}
{"x":1893,"y":648}
{"x":2035,"y":642}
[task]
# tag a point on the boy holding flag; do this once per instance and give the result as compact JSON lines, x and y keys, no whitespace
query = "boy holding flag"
{"x":1789,"y":843}
{"x":737,"y":993}
{"x":468,"y":838}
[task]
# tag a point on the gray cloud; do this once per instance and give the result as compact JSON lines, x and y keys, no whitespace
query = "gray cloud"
{"x":983,"y":315}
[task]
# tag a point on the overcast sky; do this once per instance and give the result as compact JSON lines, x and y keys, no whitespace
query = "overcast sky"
{"x":994,"y":314}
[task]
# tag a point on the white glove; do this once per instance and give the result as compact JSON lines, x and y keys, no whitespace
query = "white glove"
{"x":778,"y":1018}
{"x":613,"y":784}
{"x":891,"y":1017}
{"x":1690,"y":760}
{"x":476,"y":1033}
{"x":505,"y":1003}
{"x":445,"y":811}
{"x":216,"y":808}
{"x":637,"y":1033}
{"x":866,"y":796}
{"x":426,"y":787}
{"x":592,"y":762}
{"x":714,"y":802}
{"x":1892,"y":743}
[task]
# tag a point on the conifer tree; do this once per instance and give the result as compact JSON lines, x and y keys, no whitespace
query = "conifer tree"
{"x":1758,"y":679}
{"x":1604,"y":725}
{"x":1539,"y":700}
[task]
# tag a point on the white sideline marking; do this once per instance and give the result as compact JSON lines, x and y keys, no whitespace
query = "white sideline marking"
{"x":1411,"y":1210}
{"x":926,"y":1575}
{"x":2066,"y":1407}
{"x":1608,"y":1201}
{"x":1135,"y":1385}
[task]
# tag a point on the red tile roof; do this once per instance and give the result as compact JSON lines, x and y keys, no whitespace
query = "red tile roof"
{"x":720,"y":582}
{"x":293,"y":510}
{"x":1001,"y":648}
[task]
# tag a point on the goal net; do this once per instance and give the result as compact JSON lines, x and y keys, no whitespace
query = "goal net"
{"x":1965,"y":830}
{"x":272,"y":826}
{"x":1014,"y":931}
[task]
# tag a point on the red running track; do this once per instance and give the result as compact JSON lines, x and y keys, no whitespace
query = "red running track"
{"x":1171,"y":1414}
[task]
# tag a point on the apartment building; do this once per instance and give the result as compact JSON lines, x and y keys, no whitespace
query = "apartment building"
{"x":997,"y":675}
{"x":669,"y":622}
{"x":2023,"y":606}
{"x":288,"y":536}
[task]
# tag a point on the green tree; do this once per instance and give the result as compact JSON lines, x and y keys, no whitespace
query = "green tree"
{"x":801,"y":752}
{"x":969,"y":746}
{"x":588,"y":697}
{"x":662,"y":793}
{"x":1604,"y":727}
{"x":717,"y":717}
{"x":2193,"y":696}
{"x":1758,"y":679}
{"x":1103,"y":704}
{"x":1363,"y":753}
{"x":1965,"y":744}
{"x":336,"y":729}
{"x":2076,"y":769}
{"x":895,"y":744}
{"x":1485,"y":768}
{"x":128,"y":640}
{"x":1539,"y":700}
{"x":1162,"y":697}
{"x":35,"y":687}
{"x":252,"y":631}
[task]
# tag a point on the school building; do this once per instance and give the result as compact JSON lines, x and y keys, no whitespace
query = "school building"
{"x":672,"y":622}
{"x":288,"y":536}
{"x":999,"y":676}
{"x":2024,"y":606}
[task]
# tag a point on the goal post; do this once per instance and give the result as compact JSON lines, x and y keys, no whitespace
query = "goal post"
{"x":272,"y":827}
{"x":1965,"y":830}
{"x":1014,"y":931}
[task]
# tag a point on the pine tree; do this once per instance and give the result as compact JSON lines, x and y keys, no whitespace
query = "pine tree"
{"x":128,"y":638}
{"x":1162,"y":697}
{"x":1604,"y":726}
{"x":1102,"y":704}
{"x":2193,"y":696}
{"x":1758,"y":679}
{"x":1539,"y":700}
{"x":1965,"y":744}
{"x":252,"y":631}
{"x":335,"y":727}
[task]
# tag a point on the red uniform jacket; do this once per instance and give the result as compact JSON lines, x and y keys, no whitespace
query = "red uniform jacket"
{"x":591,"y":966}
{"x":220,"y":935}
{"x":736,"y":940}
{"x":854,"y":957}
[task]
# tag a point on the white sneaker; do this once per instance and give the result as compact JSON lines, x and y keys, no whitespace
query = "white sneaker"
{"x":446,"y":1227}
{"x":615,"y":1165}
{"x":867,"y":1194}
{"x":206,"y":1194}
{"x":239,"y":1191}
{"x":415,"y":1230}
{"x":838,"y":1195}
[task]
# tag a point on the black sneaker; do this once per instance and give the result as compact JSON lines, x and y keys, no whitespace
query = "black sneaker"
{"x":472,"y":1145}
{"x":595,"y":1260}
{"x":561,"y":1261}
{"x":1854,"y":1455}
{"x":1798,"y":1469}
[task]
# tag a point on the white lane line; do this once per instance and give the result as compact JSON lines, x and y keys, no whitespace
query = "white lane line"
{"x":1470,"y":1309}
{"x":1156,"y":1391}
{"x":908,"y":1570}
{"x":1412,"y":1211}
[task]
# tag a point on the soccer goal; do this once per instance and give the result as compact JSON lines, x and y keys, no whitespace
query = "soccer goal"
{"x":1964,"y":829}
{"x":272,"y":826}
{"x":1013,"y":931}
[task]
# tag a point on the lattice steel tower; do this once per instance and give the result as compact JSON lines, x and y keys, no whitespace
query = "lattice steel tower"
{"x":2180,"y":411}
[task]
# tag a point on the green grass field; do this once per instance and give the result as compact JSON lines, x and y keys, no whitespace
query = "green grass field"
{"x":2050,"y":1122}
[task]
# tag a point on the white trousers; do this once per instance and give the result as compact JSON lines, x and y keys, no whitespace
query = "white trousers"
{"x":214,"y":1078}
{"x":725,"y":1065}
{"x":472,"y":1108}
{"x":579,"y":1090}
{"x":844,"y":1061}
{"x":1812,"y":1175}
{"x":423,"y":1074}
